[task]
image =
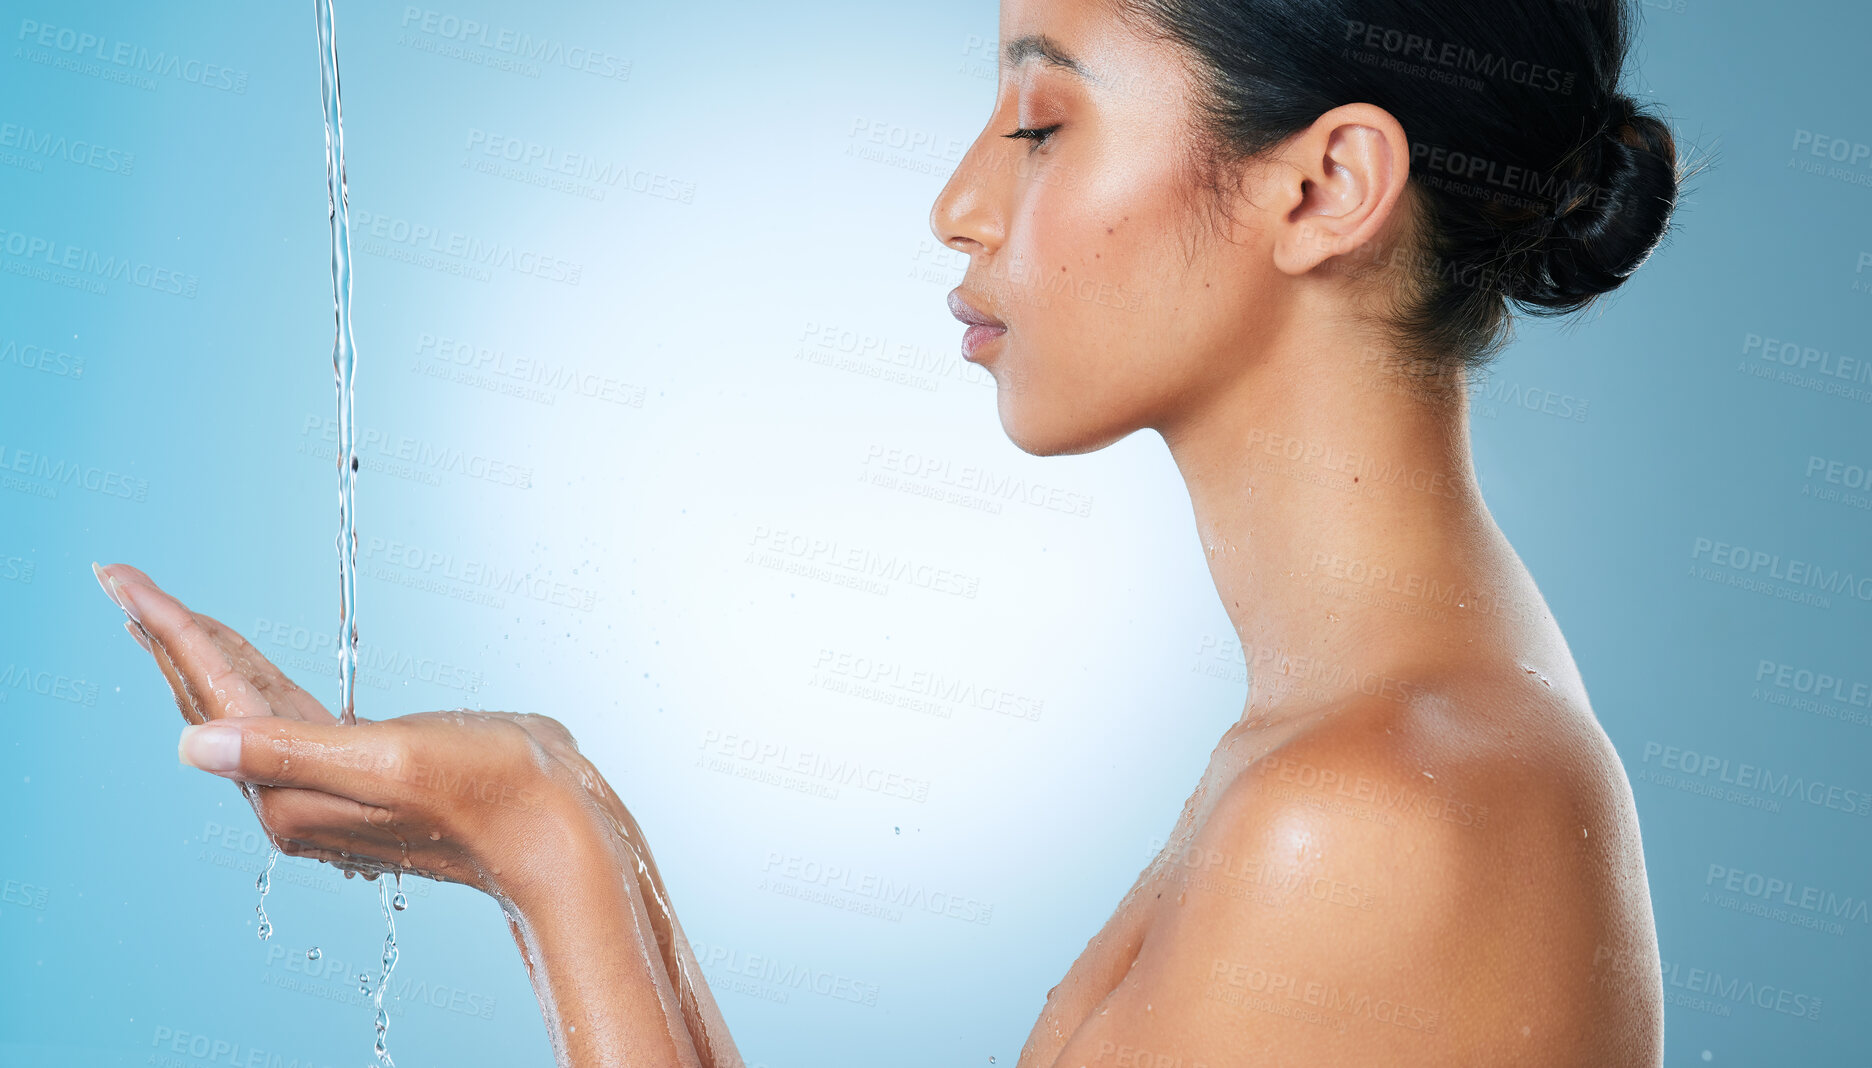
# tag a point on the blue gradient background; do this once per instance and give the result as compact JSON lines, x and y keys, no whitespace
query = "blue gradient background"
{"x":128,"y":918}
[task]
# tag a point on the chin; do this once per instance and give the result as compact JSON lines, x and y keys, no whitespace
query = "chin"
{"x":1041,"y":431}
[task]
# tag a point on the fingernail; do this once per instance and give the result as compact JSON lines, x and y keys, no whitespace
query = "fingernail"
{"x":210,"y":746}
{"x":136,"y":635}
{"x":104,"y":584}
{"x":120,"y":592}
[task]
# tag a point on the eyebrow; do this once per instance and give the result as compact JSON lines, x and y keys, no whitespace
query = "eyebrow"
{"x":1039,"y":44}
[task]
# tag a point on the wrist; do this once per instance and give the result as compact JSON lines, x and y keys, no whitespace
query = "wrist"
{"x":561,"y":842}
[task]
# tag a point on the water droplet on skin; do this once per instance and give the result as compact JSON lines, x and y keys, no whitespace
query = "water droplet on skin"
{"x":1429,"y":776}
{"x":435,"y":836}
{"x":1582,"y":833}
{"x":313,"y":953}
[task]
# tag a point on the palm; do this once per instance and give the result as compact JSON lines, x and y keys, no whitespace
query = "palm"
{"x":450,"y":795}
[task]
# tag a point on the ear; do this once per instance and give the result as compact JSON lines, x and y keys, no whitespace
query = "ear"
{"x":1342,"y":181}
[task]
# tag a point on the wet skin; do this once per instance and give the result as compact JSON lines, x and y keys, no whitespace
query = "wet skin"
{"x":1416,"y":848}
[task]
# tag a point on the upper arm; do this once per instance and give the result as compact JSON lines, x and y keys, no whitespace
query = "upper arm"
{"x":1336,"y":907}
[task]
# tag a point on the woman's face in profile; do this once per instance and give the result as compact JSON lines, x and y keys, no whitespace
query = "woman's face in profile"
{"x":1087,"y":234}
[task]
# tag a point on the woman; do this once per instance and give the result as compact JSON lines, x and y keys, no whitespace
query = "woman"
{"x":1281,"y":234}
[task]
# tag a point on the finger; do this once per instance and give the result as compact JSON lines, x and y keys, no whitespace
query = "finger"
{"x":209,"y":679}
{"x":362,"y":833}
{"x":287,"y":697}
{"x":177,"y":688}
{"x":365,"y":763}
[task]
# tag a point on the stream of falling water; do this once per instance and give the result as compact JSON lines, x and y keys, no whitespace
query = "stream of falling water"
{"x":344,"y":362}
{"x":344,"y":366}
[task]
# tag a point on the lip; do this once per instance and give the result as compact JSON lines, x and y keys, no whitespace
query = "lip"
{"x":982,"y":327}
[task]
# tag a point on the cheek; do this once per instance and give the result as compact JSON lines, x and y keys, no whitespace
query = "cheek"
{"x":1101,"y":277}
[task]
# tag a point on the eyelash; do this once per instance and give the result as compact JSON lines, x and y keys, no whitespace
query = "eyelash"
{"x":1037,"y":135}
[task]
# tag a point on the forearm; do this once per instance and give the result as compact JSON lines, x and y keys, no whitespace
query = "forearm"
{"x":616,"y":980}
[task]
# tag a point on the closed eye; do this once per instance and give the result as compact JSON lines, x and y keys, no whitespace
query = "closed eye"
{"x":1037,"y":135}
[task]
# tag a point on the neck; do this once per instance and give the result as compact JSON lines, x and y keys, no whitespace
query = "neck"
{"x":1343,"y":526}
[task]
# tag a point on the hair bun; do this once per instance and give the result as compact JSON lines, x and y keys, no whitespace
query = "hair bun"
{"x":1614,"y":218}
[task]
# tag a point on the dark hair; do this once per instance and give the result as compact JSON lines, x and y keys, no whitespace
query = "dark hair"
{"x":1536,"y":179}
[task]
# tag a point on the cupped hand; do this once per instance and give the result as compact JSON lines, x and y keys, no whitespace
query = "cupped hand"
{"x":472,"y":797}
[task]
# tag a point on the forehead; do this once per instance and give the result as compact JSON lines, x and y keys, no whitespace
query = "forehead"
{"x":1098,"y":41}
{"x":1101,"y":43}
{"x":1063,"y":34}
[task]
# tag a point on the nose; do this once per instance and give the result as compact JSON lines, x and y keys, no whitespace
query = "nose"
{"x":967,"y":214}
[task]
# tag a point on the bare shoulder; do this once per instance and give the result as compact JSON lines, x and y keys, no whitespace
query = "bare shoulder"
{"x":1403,"y":886}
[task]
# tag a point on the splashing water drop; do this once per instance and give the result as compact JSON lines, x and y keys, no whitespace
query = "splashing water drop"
{"x":389,"y":964}
{"x":263,"y":884}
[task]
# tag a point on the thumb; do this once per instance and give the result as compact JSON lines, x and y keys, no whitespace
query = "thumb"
{"x":363,"y":762}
